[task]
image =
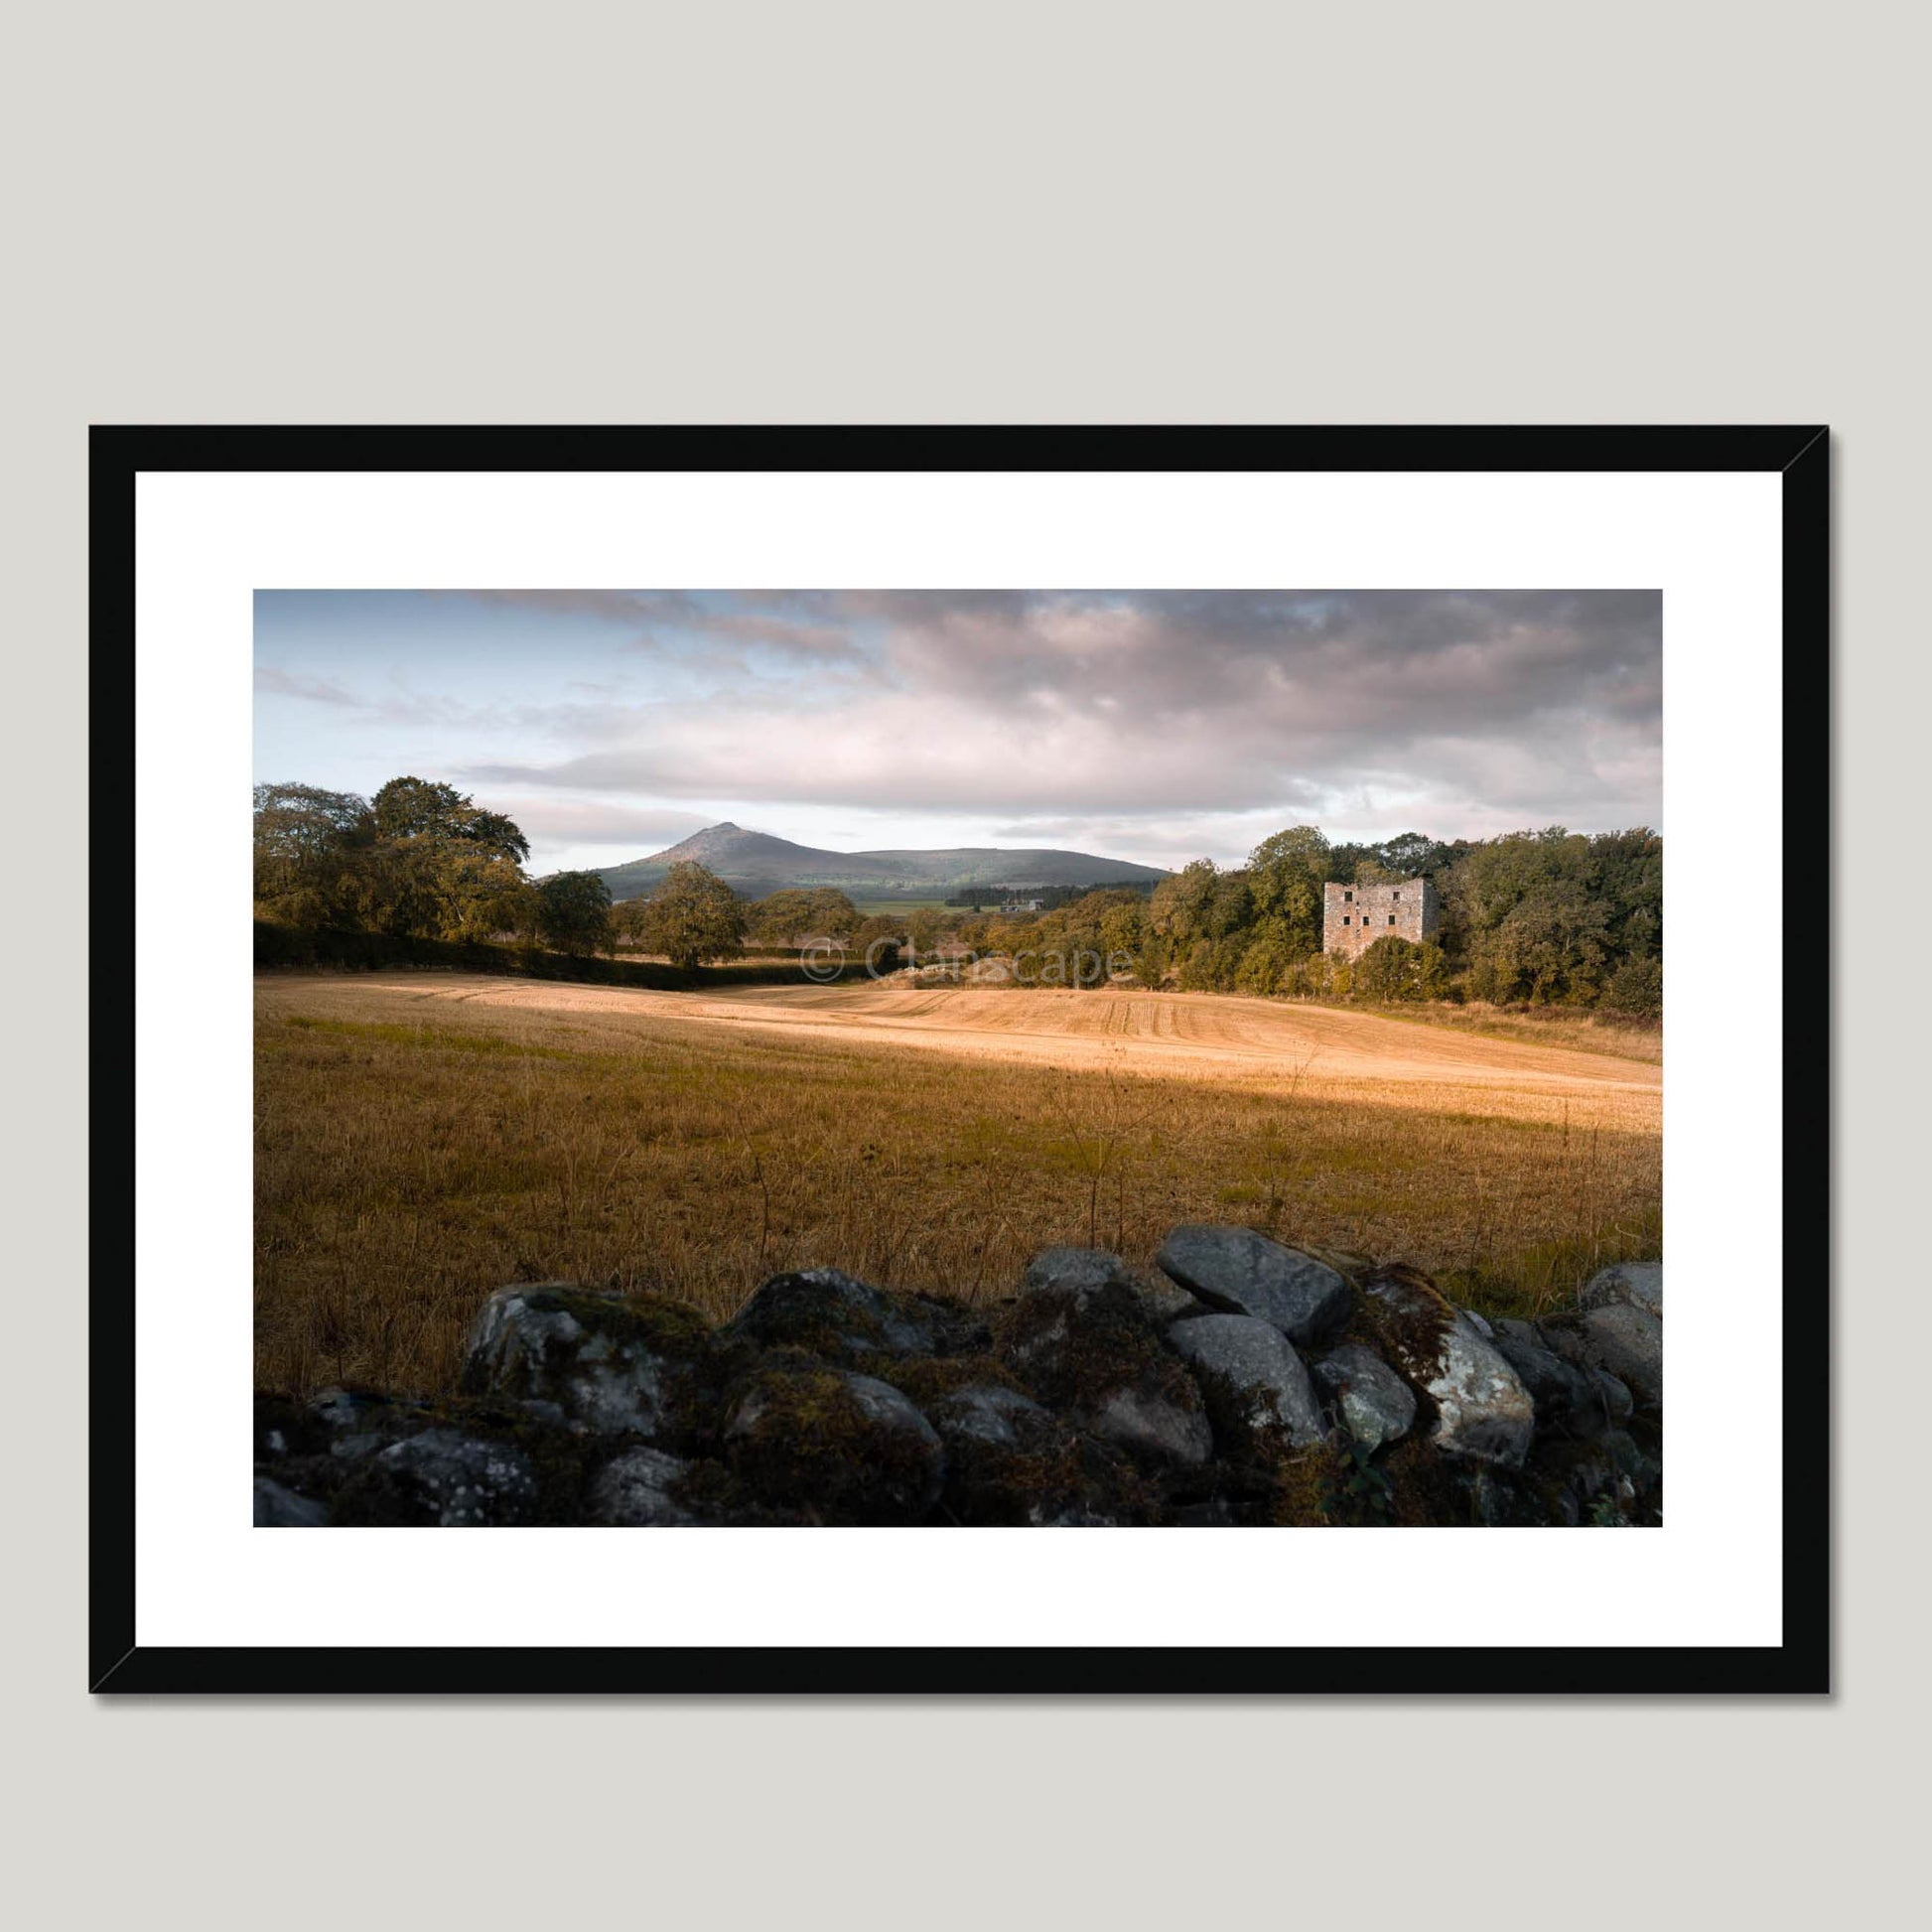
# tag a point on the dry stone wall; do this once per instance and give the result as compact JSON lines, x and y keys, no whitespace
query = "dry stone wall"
{"x":1245,"y":1383}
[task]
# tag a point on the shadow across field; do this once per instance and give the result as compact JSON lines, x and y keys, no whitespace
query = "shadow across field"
{"x":326,"y":949}
{"x":414,"y":1151}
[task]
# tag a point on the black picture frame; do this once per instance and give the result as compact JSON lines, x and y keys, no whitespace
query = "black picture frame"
{"x":1798,"y":455}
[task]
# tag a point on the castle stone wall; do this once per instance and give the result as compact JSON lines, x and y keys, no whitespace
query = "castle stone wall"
{"x":1355,"y":916}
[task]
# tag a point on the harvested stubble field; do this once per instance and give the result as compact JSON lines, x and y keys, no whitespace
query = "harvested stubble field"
{"x":423,"y":1137}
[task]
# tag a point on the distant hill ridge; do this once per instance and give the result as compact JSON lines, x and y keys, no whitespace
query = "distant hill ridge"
{"x":757,"y":864}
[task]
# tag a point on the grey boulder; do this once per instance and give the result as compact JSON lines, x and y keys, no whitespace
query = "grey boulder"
{"x":1636,"y":1283}
{"x":835,"y":1314}
{"x":1375,"y":1404}
{"x":1618,"y":1403}
{"x":442,"y":1477}
{"x":1085,"y":1271}
{"x":605,"y":1363}
{"x":280,"y":1508}
{"x":1146,"y":1420}
{"x":634,"y":1491}
{"x":1482,"y":1410}
{"x":1094,"y":1354}
{"x":836,"y":1446}
{"x":1628,"y":1343}
{"x":1239,"y":1272}
{"x":988,"y":1414}
{"x":1257,"y":1386}
{"x":1564,"y":1394}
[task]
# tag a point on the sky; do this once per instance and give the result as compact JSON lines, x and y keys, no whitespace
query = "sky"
{"x":1159,"y":726}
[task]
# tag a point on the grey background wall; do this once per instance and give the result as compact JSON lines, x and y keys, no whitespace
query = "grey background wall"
{"x":1108,"y":213}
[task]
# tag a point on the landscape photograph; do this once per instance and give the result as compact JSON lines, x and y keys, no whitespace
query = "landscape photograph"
{"x":1059,"y":1059}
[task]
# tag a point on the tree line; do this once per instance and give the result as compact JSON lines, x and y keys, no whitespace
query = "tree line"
{"x":1548,"y":917}
{"x":421,"y":859}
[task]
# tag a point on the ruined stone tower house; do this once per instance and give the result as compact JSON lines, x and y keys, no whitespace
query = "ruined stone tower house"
{"x":1355,"y":916}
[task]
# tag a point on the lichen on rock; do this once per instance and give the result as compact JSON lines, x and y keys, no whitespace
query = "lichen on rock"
{"x":1481,"y":1409}
{"x":1093,"y":1397}
{"x":1372,"y":1402}
{"x":604,"y":1364}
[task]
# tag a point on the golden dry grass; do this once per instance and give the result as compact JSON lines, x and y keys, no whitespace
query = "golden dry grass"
{"x":1586,"y":1033}
{"x":422,"y":1139}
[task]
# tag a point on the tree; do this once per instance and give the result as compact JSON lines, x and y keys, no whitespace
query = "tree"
{"x":693,"y":917}
{"x":804,"y":912}
{"x":573,"y":913}
{"x":420,"y":861}
{"x":1393,"y":968}
{"x":1264,"y":967}
{"x":480,"y":893}
{"x":1637,"y":987}
{"x":1286,"y":874}
{"x":925,"y":929}
{"x":307,"y":846}
{"x":627,"y":918}
{"x":1411,"y":855}
{"x":413,"y":808}
{"x":876,"y":941}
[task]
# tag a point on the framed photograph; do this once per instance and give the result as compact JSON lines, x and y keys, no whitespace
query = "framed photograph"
{"x":887,"y":995}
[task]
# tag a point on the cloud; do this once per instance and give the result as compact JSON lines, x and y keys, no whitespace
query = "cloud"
{"x":271,"y":680}
{"x":1176,"y":712}
{"x":679,"y":623}
{"x":1379,"y":708}
{"x":560,"y":821}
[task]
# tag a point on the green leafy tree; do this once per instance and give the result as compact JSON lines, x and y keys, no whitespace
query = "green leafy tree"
{"x":878,"y":939}
{"x":1264,"y":967}
{"x":693,"y":917}
{"x":308,"y":845}
{"x":1637,"y":989}
{"x":1286,"y":874}
{"x":801,"y":912}
{"x":411,"y":808}
{"x":480,"y":893}
{"x":422,"y":860}
{"x":1393,"y":968}
{"x":573,"y":913}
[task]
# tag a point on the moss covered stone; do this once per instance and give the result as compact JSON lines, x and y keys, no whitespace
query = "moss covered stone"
{"x":639,"y":1489}
{"x":599,"y":1363}
{"x":1482,"y":1409}
{"x":1087,"y":1402}
{"x":1094,"y":1354}
{"x":836,"y":1315}
{"x":440,"y":1476}
{"x":838,"y":1446}
{"x":1009,"y":1461}
{"x":1085,"y":1270}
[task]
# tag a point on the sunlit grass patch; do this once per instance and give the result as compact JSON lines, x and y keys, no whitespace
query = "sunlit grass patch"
{"x":405,"y":1169}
